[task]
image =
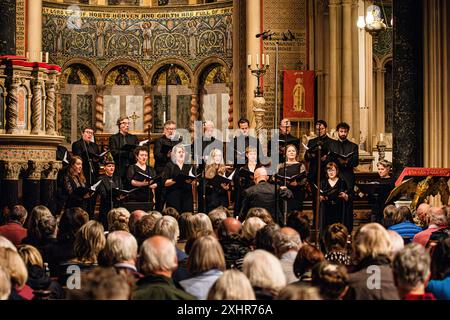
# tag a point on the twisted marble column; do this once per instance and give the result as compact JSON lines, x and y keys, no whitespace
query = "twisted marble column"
{"x":36,"y":107}
{"x":99,"y":108}
{"x":50,"y":109}
{"x":194,"y":110}
{"x":11,"y":108}
{"x":148,"y":107}
{"x":230,"y":107}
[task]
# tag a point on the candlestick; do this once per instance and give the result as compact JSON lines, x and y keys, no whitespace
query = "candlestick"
{"x":257,"y":59}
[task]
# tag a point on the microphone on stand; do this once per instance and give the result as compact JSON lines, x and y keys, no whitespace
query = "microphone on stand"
{"x":265,"y":34}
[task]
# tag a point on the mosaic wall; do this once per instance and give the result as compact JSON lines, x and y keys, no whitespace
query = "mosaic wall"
{"x":66,"y":117}
{"x":145,"y":36}
{"x":279,"y":16}
{"x":84,"y":113}
{"x":183,"y":103}
{"x":7,"y":29}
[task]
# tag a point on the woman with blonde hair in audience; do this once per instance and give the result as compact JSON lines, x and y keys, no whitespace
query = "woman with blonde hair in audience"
{"x":372,"y":248}
{"x":265,"y":273}
{"x":197,"y":222}
{"x":118,"y":219}
{"x":232,"y":285}
{"x":296,"y":291}
{"x":38,"y":280}
{"x":89,"y":241}
{"x":206,"y":264}
{"x":5,"y":284}
{"x":261,"y":213}
{"x":15,"y":267}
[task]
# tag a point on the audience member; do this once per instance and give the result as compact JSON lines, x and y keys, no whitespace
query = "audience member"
{"x":232,"y":285}
{"x":121,"y":251}
{"x":335,"y":241}
{"x":307,"y":257}
{"x":15,"y":267}
{"x":331,"y":279}
{"x":296,"y":291}
{"x":440,"y":270}
{"x":13,"y":229}
{"x":404,"y":225}
{"x":233,"y":245}
{"x":287,"y":242}
{"x":264,"y":237}
{"x":249,"y":229}
{"x":437,"y":220}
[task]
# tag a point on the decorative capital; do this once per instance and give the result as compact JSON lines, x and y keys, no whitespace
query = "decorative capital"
{"x":147,"y":89}
{"x":13,"y":169}
{"x":34,"y":170}
{"x":99,"y":89}
{"x":51,"y":170}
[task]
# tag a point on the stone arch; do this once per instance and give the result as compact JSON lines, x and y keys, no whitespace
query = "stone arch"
{"x":126,"y":62}
{"x":157,"y":66}
{"x":92,"y":67}
{"x":376,"y":62}
{"x":206,"y":63}
{"x":388,"y":58}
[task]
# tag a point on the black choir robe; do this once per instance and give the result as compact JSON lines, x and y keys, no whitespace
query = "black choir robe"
{"x":143,"y":194}
{"x":91,"y":164}
{"x":107,"y":198}
{"x":296,"y":202}
{"x":122,"y":158}
{"x":334,"y":210}
{"x":179,"y":195}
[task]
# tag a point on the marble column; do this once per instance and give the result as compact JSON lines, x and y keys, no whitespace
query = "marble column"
{"x":34,"y":29}
{"x":32,"y":185}
{"x":36,"y":107}
{"x":10,"y":182}
{"x":253,"y":20}
{"x":347,"y":74}
{"x":11,"y":107}
{"x":148,"y":108}
{"x":407,"y":74}
{"x":332,"y":114}
{"x":99,"y":108}
{"x":49,"y":185}
{"x":50,"y":108}
{"x":230,"y":105}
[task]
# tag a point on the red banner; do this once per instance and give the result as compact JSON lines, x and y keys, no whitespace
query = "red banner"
{"x":298,"y":95}
{"x":422,"y":172}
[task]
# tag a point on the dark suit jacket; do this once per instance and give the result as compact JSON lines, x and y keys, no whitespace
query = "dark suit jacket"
{"x":85,"y":150}
{"x":240,"y":143}
{"x":161,"y":158}
{"x":325,"y":141}
{"x":122,"y":158}
{"x":346,"y":170}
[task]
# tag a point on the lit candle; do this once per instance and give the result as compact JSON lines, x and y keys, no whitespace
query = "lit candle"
{"x":46,"y":57}
{"x":40,"y":56}
{"x":381,"y":138}
{"x":267,"y":59}
{"x":262,"y":56}
{"x":257,"y":59}
{"x":249,"y":60}
{"x":164,"y":117}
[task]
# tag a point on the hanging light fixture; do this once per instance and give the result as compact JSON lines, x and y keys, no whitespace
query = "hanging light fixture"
{"x":373,"y":21}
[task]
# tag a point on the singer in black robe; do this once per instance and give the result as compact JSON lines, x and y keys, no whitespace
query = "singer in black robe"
{"x":108,"y":200}
{"x":297,"y":187}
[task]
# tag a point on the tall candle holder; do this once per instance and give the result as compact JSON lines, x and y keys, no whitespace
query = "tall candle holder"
{"x":260,"y":70}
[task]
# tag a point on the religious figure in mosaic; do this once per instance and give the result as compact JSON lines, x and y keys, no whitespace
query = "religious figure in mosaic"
{"x":147,"y":31}
{"x":192,"y":34}
{"x":100,"y":33}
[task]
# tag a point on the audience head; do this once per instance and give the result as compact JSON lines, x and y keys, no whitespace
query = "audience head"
{"x":197,"y":222}
{"x":261,"y":213}
{"x":371,"y":240}
{"x":169,"y":211}
{"x":389,"y":214}
{"x":217,"y":215}
{"x":402,"y":214}
{"x":422,"y":214}
{"x":167,"y":226}
{"x":11,"y":261}
{"x":42,"y":224}
{"x":437,"y":217}
{"x":411,"y":268}
{"x":206,"y":254}
{"x":231,"y":285}
{"x":195,"y":236}
{"x":135,"y":217}
{"x":286,"y":239}
{"x":121,"y":247}
{"x":182,"y":224}
{"x":71,"y":221}
{"x":301,"y":223}
{"x":264,"y":237}
{"x":5,"y":243}
{"x":18,"y":214}
{"x":145,"y":226}
{"x":397,"y":243}
{"x":229,"y":226}
{"x":250,"y":227}
{"x":264,"y":271}
{"x":158,"y":256}
{"x":296,"y":291}
{"x":89,"y":241}
{"x":102,"y":284}
{"x":331,"y":279}
{"x":5,"y":284}
{"x":118,"y":219}
{"x":307,"y":257}
{"x":30,"y":256}
{"x":335,"y":237}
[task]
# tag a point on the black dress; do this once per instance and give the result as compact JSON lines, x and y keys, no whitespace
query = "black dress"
{"x":143,"y":194}
{"x":122,"y":156}
{"x":74,"y":199}
{"x":296,"y":203}
{"x":107,"y":199}
{"x":179,"y":195}
{"x":216,"y":196}
{"x":333,"y":210}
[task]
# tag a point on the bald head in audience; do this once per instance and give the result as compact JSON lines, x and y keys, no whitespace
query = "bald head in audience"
{"x":232,"y":225}
{"x":422,"y":212}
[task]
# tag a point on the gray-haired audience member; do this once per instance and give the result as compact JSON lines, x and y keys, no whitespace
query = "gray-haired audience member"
{"x":287,"y":242}
{"x":157,"y":261}
{"x":411,"y":268}
{"x":121,"y":250}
